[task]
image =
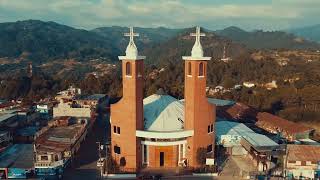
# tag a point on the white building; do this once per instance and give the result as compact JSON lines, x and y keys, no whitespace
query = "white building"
{"x":67,"y":109}
{"x":238,"y":139}
{"x":248,"y":84}
{"x":302,"y":161}
{"x":229,"y":135}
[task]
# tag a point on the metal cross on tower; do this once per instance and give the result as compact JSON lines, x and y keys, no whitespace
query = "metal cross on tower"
{"x":197,"y":34}
{"x":131,"y":34}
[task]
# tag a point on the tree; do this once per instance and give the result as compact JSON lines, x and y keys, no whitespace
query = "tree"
{"x":201,"y":155}
{"x":228,"y":83}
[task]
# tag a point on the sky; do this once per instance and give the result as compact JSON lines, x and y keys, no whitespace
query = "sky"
{"x":212,"y":14}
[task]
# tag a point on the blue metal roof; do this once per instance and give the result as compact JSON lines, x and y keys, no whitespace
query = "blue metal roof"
{"x":221,"y":102}
{"x":28,"y":131}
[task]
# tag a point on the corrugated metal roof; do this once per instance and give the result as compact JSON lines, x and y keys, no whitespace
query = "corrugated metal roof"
{"x":267,"y":120}
{"x":163,"y":113}
{"x":231,"y":128}
{"x":303,"y":153}
{"x":238,"y":129}
{"x":221,"y":102}
{"x":4,"y":117}
{"x":259,"y":140}
{"x":17,"y":156}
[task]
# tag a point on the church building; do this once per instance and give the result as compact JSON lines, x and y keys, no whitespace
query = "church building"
{"x":159,"y":130}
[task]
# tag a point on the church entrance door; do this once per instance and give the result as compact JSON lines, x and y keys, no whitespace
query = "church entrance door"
{"x":161,"y":159}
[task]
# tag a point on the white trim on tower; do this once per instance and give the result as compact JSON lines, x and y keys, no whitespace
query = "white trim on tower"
{"x":164,"y":135}
{"x":171,"y":143}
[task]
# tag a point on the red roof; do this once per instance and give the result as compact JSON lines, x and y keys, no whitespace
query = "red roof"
{"x":277,"y":123}
{"x":7,"y":104}
{"x":303,"y":153}
{"x":238,"y":111}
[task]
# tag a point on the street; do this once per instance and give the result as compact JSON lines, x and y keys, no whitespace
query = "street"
{"x":85,"y":164}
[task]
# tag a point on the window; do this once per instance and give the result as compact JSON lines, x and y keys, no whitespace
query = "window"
{"x":128,"y":69}
{"x":181,"y":152}
{"x":44,"y":158}
{"x":209,"y":148}
{"x":210,"y":128}
{"x":139,"y":69}
{"x":116,"y":130}
{"x":145,"y":154}
{"x":117,"y":149}
{"x":201,"y":68}
{"x":303,"y":163}
{"x":189,"y":68}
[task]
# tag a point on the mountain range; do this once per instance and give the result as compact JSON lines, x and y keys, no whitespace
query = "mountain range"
{"x":44,"y":41}
{"x":310,"y":32}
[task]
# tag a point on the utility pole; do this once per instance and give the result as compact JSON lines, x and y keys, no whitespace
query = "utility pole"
{"x":99,"y":144}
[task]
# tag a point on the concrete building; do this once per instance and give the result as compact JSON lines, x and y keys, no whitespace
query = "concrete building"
{"x":72,"y":103}
{"x":45,"y":110}
{"x":302,"y":161}
{"x":240,"y":140}
{"x":160,"y":131}
{"x":71,"y":108}
{"x":229,"y":135}
{"x":249,"y":84}
{"x":70,"y":92}
{"x":56,"y":145}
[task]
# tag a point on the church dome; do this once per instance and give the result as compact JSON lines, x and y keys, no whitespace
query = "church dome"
{"x":163,"y":113}
{"x":197,"y":50}
{"x":132,"y":50}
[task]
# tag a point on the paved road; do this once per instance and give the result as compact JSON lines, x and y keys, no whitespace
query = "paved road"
{"x":85,"y":165}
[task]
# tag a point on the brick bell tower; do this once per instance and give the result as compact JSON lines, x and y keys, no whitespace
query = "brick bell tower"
{"x":199,"y":113}
{"x":127,"y":114}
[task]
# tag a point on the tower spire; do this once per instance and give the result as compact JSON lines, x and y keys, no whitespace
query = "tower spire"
{"x":197,"y":50}
{"x":132,"y":50}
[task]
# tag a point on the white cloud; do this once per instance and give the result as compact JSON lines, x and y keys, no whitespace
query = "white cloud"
{"x":172,"y":13}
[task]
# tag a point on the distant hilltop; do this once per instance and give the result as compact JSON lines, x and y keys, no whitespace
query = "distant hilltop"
{"x":42,"y":41}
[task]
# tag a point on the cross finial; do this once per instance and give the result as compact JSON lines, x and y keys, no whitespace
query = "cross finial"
{"x":197,"y":34}
{"x":131,"y":34}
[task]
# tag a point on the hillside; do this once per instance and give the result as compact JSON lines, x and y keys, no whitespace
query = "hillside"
{"x":181,"y":45}
{"x":147,"y":36}
{"x":266,"y":40}
{"x":42,"y":41}
{"x":310,"y":32}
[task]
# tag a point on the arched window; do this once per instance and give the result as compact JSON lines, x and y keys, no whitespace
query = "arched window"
{"x":128,"y":69}
{"x":139,"y":69}
{"x":189,"y":68}
{"x":201,"y":69}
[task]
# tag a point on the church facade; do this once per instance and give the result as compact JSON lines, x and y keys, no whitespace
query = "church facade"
{"x":159,"y":130}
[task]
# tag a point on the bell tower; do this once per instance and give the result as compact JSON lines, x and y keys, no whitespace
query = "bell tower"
{"x":199,"y":113}
{"x":127,"y":114}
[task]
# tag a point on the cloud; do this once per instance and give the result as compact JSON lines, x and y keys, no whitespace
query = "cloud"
{"x":89,"y":14}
